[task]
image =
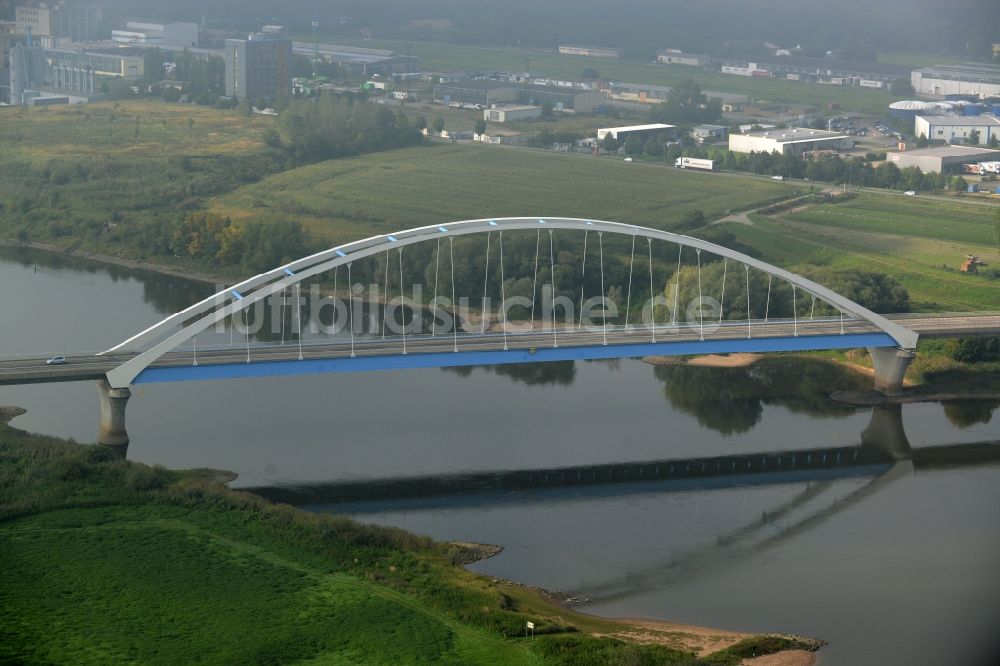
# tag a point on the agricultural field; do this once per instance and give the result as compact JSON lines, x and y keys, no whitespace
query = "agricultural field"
{"x":137,"y":129}
{"x":342,"y":200}
{"x":921,"y":242}
{"x":450,"y":57}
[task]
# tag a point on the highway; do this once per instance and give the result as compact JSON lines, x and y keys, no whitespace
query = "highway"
{"x":90,"y":367}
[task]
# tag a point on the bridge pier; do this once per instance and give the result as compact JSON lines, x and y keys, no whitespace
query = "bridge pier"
{"x":113,"y":402}
{"x":890,"y":366}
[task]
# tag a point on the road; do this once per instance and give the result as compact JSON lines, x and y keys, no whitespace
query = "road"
{"x":80,"y":367}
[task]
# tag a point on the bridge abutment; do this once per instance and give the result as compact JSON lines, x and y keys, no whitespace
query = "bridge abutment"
{"x":890,"y":367}
{"x":113,"y":402}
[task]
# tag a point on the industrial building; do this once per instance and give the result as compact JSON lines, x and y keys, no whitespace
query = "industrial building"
{"x":703,"y":133}
{"x":638,"y":93}
{"x":623,"y":133}
{"x":942,"y":159}
{"x":67,"y":70}
{"x":957,"y":129}
{"x":818,"y":70}
{"x":795,"y":140}
{"x":592,"y":51}
{"x":258,"y":67}
{"x":570,"y":100}
{"x":361,"y":61}
{"x":512,"y":113}
{"x":967,"y":79}
{"x":52,"y":23}
{"x":476,"y":93}
{"x":153,"y":33}
{"x":678,"y":57}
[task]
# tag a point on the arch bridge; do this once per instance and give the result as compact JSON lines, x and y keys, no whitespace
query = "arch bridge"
{"x":168,"y":350}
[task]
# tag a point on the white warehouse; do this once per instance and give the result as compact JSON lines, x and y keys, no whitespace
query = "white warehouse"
{"x":967,"y":79}
{"x":621,"y":133}
{"x":512,"y":113}
{"x":956,"y":129}
{"x":788,"y":141}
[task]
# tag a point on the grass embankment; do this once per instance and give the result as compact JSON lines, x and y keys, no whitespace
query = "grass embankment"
{"x":452,"y":57}
{"x":344,"y":199}
{"x":108,"y":561}
{"x":920,"y":242}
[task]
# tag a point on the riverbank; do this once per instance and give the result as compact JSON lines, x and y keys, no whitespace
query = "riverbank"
{"x":163,"y":565}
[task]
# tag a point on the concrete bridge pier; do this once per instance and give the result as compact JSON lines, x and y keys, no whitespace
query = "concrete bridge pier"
{"x":890,"y":366}
{"x":113,"y":401}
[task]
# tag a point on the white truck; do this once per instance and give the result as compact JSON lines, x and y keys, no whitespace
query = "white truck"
{"x":694,"y":163}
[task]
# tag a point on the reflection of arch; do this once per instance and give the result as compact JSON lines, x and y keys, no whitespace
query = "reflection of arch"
{"x":226,"y":303}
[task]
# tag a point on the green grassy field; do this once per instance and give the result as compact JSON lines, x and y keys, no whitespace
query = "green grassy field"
{"x":108,"y":129}
{"x":450,"y":57}
{"x":345,"y":199}
{"x":920,"y":242}
{"x":107,"y":561}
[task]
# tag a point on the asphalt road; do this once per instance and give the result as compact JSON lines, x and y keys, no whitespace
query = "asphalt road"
{"x":35,"y":370}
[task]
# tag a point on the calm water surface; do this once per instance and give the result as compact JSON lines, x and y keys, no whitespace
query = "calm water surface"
{"x":894,"y":564}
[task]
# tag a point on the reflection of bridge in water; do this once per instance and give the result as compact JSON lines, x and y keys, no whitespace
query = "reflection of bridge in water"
{"x":882,"y":457}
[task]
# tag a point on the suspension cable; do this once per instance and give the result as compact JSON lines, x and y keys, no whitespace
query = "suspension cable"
{"x":454,"y":305}
{"x":677,"y":286}
{"x":503,"y":297}
{"x":385,"y":293}
{"x":628,"y":301}
{"x":795,"y":313}
{"x":722,"y":301}
{"x":583,"y":275}
{"x":298,"y":314}
{"x":652,"y":298}
{"x":350,"y":307}
{"x":701,"y":311}
{"x":534,"y":279}
{"x":767,"y":306}
{"x":402,"y":299}
{"x":437,"y":263}
{"x":552,"y":277}
{"x":281,"y":315}
{"x":747,"y":266}
{"x":246,"y":332}
{"x":486,"y":280}
{"x":333,"y":316}
{"x":604,"y":299}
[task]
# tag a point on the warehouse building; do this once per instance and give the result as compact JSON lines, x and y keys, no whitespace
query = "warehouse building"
{"x":361,"y":61}
{"x":703,"y":133}
{"x":795,"y":140}
{"x":678,"y":57}
{"x":476,"y":93}
{"x":942,"y":159}
{"x":258,"y":67}
{"x":592,"y":51}
{"x":622,"y":133}
{"x":967,"y":79}
{"x":156,"y":33}
{"x":638,"y":93}
{"x":512,"y":113}
{"x":957,"y":129}
{"x":68,"y":70}
{"x":570,"y":100}
{"x":54,"y":23}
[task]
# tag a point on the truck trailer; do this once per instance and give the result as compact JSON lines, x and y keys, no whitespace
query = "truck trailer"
{"x":694,"y":163}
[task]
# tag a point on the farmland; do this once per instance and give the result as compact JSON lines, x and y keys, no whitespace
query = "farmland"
{"x":345,"y":199}
{"x":920,"y":242}
{"x":450,"y":57}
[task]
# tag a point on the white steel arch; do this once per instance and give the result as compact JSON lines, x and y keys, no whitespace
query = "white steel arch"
{"x":154,"y":342}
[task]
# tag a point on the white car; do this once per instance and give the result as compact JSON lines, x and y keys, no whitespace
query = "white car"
{"x":910,"y":193}
{"x":777,"y":177}
{"x":57,"y":360}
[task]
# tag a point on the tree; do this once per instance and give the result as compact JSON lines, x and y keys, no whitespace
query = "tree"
{"x":439,"y":124}
{"x":271,"y":138}
{"x":171,"y":94}
{"x":547,"y":111}
{"x":973,"y":139}
{"x":686,"y":105}
{"x":590,"y":73}
{"x":421,"y":122}
{"x":922,"y":141}
{"x":994,"y":141}
{"x":901,"y":87}
{"x":480,"y":126}
{"x":609,"y":144}
{"x":959,"y":184}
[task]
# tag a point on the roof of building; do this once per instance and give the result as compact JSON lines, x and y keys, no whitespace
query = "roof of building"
{"x":480,"y":84}
{"x":796,"y":134}
{"x":710,"y":127}
{"x":647,"y":87}
{"x":515,"y":107}
{"x":949,"y":151}
{"x":977,"y":72}
{"x":962,"y":121}
{"x":609,"y":49}
{"x":911,"y":105}
{"x":637,"y":128}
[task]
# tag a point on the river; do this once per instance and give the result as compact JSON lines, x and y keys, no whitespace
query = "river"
{"x":892,"y":563}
